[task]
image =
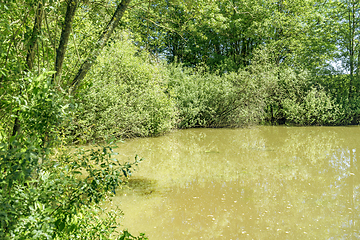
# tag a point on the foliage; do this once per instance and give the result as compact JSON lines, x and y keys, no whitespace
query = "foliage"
{"x":41,"y":107}
{"x":46,"y":196}
{"x":125,"y":99}
{"x":199,"y":97}
{"x":56,"y":196}
{"x":337,"y":86}
{"x":287,"y":85}
{"x":225,"y":35}
{"x":234,"y":63}
{"x":38,"y":35}
{"x":127,"y":236}
{"x":316,"y":108}
{"x":211,"y":100}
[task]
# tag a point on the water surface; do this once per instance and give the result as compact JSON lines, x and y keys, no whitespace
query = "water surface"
{"x":258,"y":183}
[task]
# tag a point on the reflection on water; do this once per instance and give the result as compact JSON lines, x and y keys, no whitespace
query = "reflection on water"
{"x":259,"y":183}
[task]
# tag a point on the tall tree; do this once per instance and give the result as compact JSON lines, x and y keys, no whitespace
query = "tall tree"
{"x":348,"y":18}
{"x":32,"y":45}
{"x":224,"y":34}
{"x":31,"y":41}
{"x":65,"y":34}
{"x":103,"y":39}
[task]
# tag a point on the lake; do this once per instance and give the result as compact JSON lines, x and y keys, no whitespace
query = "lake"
{"x":266,"y":182}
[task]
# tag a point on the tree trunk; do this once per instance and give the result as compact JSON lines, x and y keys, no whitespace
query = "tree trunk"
{"x":352,"y":38}
{"x":30,"y":56}
{"x":85,"y":67}
{"x":64,"y":39}
{"x":34,"y":36}
{"x":351,"y":50}
{"x":357,"y":71}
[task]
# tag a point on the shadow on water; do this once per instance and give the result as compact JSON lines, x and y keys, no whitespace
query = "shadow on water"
{"x":140,"y":186}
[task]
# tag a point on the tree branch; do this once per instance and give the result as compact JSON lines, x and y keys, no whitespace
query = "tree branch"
{"x":103,"y":39}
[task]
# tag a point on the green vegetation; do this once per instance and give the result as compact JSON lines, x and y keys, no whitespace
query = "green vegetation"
{"x":51,"y":193}
{"x":57,"y":197}
{"x":127,"y":99}
{"x":91,"y":70}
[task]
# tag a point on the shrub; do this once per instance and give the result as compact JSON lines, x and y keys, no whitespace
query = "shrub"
{"x":125,"y":99}
{"x":46,"y":198}
{"x":44,"y":195}
{"x":337,"y":86}
{"x":211,"y":100}
{"x":37,"y":105}
{"x":316,"y":108}
{"x":286,"y":85}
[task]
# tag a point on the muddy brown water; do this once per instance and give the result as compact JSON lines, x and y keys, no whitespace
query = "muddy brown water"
{"x":258,"y":183}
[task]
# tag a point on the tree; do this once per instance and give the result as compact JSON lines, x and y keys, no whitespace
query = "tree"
{"x":40,"y":197}
{"x":40,"y":42}
{"x":346,"y":13}
{"x":102,"y":41}
{"x":220,"y":34}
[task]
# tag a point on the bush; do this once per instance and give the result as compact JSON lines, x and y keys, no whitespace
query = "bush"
{"x":48,"y":198}
{"x":349,"y":111}
{"x":211,"y":100}
{"x":44,"y":195}
{"x":38,"y":106}
{"x":316,"y":108}
{"x":287,"y":85}
{"x":337,"y":86}
{"x":125,"y":99}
